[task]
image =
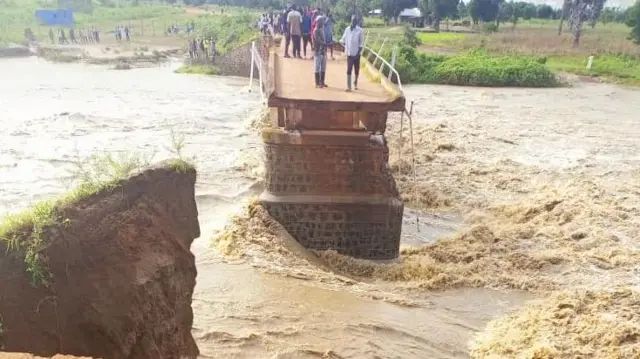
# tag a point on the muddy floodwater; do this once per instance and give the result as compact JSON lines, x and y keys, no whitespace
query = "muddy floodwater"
{"x":477,"y":149}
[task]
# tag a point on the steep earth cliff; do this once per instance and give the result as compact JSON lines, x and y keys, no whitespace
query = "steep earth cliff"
{"x":122,"y":274}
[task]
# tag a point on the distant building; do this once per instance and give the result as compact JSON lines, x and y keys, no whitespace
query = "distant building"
{"x":413,"y":16}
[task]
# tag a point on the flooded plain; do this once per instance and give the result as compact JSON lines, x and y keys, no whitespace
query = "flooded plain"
{"x":520,"y":193}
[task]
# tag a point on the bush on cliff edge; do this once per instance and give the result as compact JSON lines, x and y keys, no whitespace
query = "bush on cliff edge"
{"x":24,"y":231}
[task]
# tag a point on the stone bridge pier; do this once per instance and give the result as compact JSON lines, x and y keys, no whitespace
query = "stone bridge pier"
{"x":327,"y":176}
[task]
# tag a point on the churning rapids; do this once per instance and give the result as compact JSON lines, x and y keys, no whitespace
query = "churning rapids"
{"x":478,"y":149}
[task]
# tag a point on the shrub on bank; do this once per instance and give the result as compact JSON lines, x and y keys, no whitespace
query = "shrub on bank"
{"x":474,"y":68}
{"x":477,"y":69}
{"x":197,"y":69}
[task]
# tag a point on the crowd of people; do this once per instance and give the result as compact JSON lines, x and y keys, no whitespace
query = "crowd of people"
{"x":303,"y":27}
{"x":202,"y":48}
{"x":122,"y":33}
{"x":175,"y":29}
{"x":76,"y":36}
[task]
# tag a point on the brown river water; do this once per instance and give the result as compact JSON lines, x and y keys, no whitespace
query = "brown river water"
{"x":485,"y":157}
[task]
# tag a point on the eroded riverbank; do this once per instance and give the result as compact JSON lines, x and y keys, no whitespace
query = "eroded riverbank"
{"x":528,"y":170}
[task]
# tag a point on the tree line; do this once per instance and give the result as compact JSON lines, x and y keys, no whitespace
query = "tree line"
{"x":492,"y":12}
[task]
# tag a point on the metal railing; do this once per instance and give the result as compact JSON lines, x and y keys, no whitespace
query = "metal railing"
{"x":257,"y":61}
{"x":383,"y":61}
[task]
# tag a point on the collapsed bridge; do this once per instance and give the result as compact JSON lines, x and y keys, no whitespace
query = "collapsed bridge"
{"x":327,"y":176}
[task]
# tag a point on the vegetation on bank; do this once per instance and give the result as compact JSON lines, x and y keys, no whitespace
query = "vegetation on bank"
{"x":24,"y":232}
{"x":229,"y":32}
{"x":144,"y":20}
{"x":197,"y":69}
{"x":472,"y":68}
{"x":616,"y":59}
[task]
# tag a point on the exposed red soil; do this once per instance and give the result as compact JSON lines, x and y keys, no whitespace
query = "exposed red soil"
{"x":123,"y":275}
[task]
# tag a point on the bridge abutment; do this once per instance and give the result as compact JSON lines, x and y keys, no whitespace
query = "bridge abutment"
{"x":328,"y":181}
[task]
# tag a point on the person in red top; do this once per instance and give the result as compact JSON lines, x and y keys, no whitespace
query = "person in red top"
{"x":314,"y":23}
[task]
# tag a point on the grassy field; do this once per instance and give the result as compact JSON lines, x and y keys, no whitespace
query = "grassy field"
{"x":616,"y":59}
{"x":145,"y":21}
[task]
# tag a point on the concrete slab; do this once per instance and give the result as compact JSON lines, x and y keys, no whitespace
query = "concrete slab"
{"x":294,"y":87}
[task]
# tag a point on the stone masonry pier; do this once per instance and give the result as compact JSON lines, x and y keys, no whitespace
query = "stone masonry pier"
{"x":327,"y":176}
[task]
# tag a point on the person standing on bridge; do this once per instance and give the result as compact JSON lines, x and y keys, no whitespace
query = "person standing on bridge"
{"x":320,"y":56}
{"x":353,"y":41}
{"x":328,"y":33}
{"x":285,"y":31}
{"x":306,"y":32}
{"x":295,"y":22}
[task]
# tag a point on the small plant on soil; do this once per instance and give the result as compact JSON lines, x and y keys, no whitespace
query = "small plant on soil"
{"x":180,"y":163}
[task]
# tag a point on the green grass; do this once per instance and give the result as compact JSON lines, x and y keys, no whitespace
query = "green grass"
{"x":15,"y":18}
{"x":477,"y":68}
{"x":147,"y":20}
{"x":616,"y":58}
{"x":180,"y":163}
{"x":441,"y":38}
{"x":197,"y":70}
{"x":473,"y":68}
{"x":614,"y":68}
{"x":229,"y":31}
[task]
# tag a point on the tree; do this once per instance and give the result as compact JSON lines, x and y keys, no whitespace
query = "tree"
{"x":529,"y":11}
{"x":593,"y":18}
{"x":463,"y":9}
{"x":474,"y":11}
{"x":581,"y":11}
{"x":439,"y":9}
{"x":544,"y":12}
{"x":566,"y":5}
{"x":485,"y":10}
{"x":633,"y":21}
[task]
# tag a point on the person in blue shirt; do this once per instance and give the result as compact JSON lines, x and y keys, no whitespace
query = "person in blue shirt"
{"x":306,"y":31}
{"x":328,"y":33}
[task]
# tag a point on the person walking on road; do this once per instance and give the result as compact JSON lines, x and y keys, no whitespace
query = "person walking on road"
{"x":353,"y":41}
{"x":320,"y":57}
{"x":295,"y":21}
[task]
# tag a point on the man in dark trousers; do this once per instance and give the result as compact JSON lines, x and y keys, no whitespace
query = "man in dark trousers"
{"x":306,"y":32}
{"x":286,"y":31}
{"x":353,"y":41}
{"x":294,"y":19}
{"x":320,"y":51}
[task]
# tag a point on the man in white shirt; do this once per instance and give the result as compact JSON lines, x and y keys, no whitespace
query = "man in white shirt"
{"x":353,"y":41}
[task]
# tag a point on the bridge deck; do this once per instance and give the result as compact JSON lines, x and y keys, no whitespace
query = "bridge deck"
{"x":294,"y":86}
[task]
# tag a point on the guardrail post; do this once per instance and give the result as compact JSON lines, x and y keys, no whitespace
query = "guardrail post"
{"x":379,"y":52}
{"x":253,"y":49}
{"x":394,"y":53}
